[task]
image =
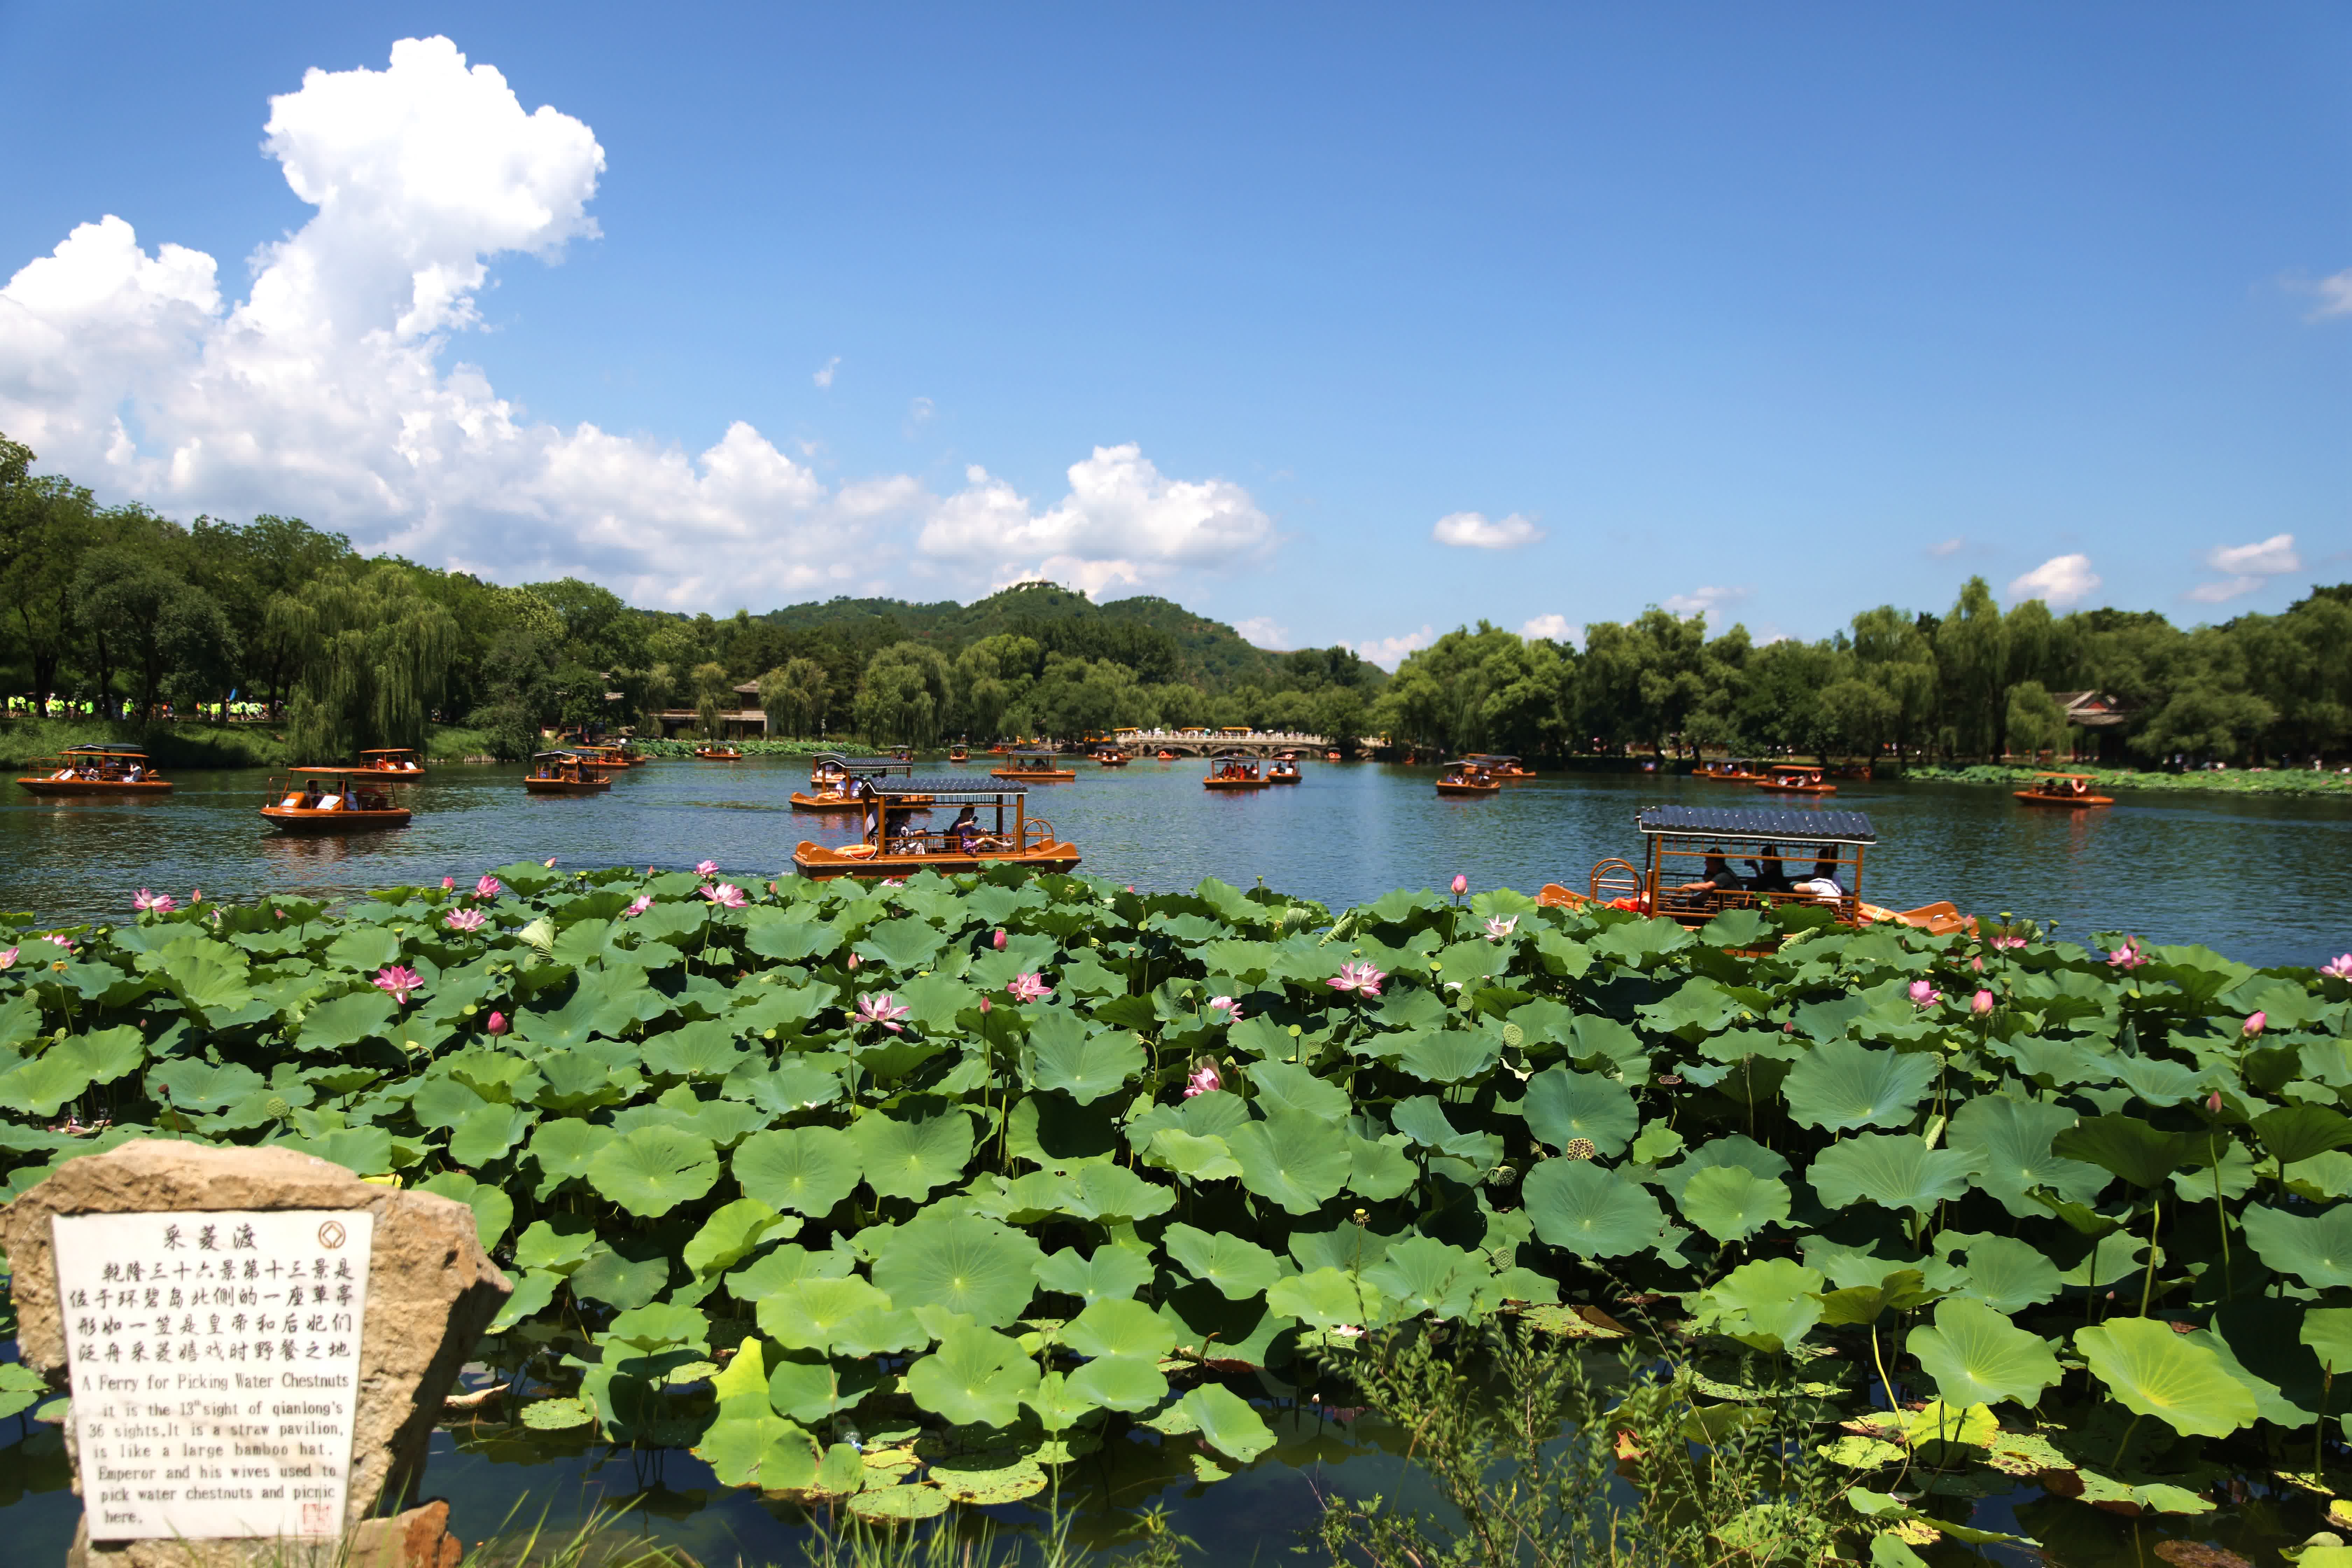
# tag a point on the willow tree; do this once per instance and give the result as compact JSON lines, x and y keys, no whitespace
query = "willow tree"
{"x":372,"y":658}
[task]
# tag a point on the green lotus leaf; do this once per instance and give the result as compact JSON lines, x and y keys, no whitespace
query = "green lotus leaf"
{"x":1114,"y":1328}
{"x":1114,"y":1194}
{"x":1449,"y":1055}
{"x":1236,"y":1266}
{"x":2155,"y":1372}
{"x":810,"y":1388}
{"x":561,"y":1243}
{"x":1897,"y":1290}
{"x":976,"y":1377}
{"x":1287,"y":1085}
{"x":619,"y":1279}
{"x":1119,"y":1383}
{"x":564,"y":1149}
{"x":732,"y":1446}
{"x":962,"y":1263}
{"x":1732,"y":1203}
{"x":1196,"y":1159}
{"x":908,"y":1159}
{"x":984,"y":1485}
{"x":1226,"y":1423}
{"x":899,"y":1505}
{"x":1083,"y":1063}
{"x":1112,"y":1274}
{"x":2001,"y":1271}
{"x":1562,"y":1105}
{"x":1591,"y":1211}
{"x":484,"y":1134}
{"x":840,"y":1473}
{"x":1768,"y":1305}
{"x":779,"y":1266}
{"x":1327,"y":1299}
{"x":2329,"y":1331}
{"x":1976,"y":1356}
{"x":1293,"y":1159}
{"x":805,"y":1169}
{"x":534,"y":1291}
{"x":2156,"y":1080}
{"x":1061,"y":1403}
{"x":2130,"y":1148}
{"x":653,"y":1169}
{"x":343,"y":1022}
{"x":1893,"y":1170}
{"x":904,"y":946}
{"x":2316,"y":1248}
{"x":2295,"y":1132}
{"x":1840,"y":1085}
{"x":1735,"y":1149}
{"x":43,"y":1085}
{"x":796,"y":1084}
{"x":556,"y":1415}
{"x":804,"y":1314}
{"x":1735,"y":928}
{"x":660,"y":1327}
{"x":1424,"y":1275}
{"x":705,"y":1048}
{"x":2007,"y":1143}
{"x":1378,"y":1169}
{"x":731,"y":1233}
{"x":493,"y":1209}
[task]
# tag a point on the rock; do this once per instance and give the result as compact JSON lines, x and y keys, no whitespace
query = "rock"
{"x":431,"y":1292}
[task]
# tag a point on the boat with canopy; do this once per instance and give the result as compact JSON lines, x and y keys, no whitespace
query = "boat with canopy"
{"x":1796,"y":778}
{"x":2064,"y":789}
{"x":1284,"y":771}
{"x":1726,"y":770}
{"x":1468,"y":775}
{"x":358,"y":799}
{"x":1692,"y":869}
{"x":835,"y":781}
{"x":108,"y":768}
{"x":399,"y":760}
{"x":718,"y":753}
{"x":1234,"y":771}
{"x":1501,"y":765}
{"x":1035,"y":764}
{"x":896,"y":845}
{"x":565,"y":773}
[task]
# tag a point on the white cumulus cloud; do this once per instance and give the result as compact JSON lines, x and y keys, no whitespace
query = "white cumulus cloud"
{"x":1475,"y":530}
{"x":325,"y":392}
{"x":2336,"y":295}
{"x":2061,"y":581}
{"x":822,"y":374}
{"x":1558,"y":628}
{"x":1266,"y":632}
{"x":1389,"y":652}
{"x":1945,"y":547}
{"x":2244,"y":567}
{"x":1704,"y":601}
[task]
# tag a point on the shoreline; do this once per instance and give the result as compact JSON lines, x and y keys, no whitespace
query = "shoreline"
{"x":2236,"y":781}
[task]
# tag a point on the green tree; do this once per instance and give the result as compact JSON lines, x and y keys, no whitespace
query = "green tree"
{"x":373,"y":656}
{"x":794,"y":697}
{"x":905,"y":697}
{"x":2034,"y":724}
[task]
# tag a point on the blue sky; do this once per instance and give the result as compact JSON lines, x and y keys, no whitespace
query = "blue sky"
{"x":1778,"y":312}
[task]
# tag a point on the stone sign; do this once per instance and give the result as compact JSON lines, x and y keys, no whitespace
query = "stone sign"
{"x":214,"y":1362}
{"x":157,"y":1284}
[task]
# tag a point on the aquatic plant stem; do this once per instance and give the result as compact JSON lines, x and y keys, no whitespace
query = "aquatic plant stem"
{"x":2221,"y":1218}
{"x":2148,"y":1284}
{"x":2128,"y":1426}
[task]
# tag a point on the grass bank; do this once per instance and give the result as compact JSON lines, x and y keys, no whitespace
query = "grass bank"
{"x":750,"y":748}
{"x":23,"y":742}
{"x":2237,"y":781}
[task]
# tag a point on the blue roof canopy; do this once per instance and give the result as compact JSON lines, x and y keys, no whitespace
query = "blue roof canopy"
{"x":1777,"y":826}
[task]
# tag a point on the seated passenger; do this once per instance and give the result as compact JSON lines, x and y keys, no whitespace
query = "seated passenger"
{"x":1715,"y":874}
{"x":1771,"y":876}
{"x":1824,"y":882}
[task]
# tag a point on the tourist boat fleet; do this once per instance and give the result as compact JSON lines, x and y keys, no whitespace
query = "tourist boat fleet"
{"x":896,"y":843}
{"x":566,"y":772}
{"x":99,"y":770}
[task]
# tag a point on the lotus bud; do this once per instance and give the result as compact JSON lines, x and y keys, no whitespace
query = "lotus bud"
{"x":1461,"y":884}
{"x":2254,"y":1024}
{"x":2213,"y":1103}
{"x":498,"y":1024}
{"x":998,"y":940}
{"x":448,"y":883}
{"x":853,"y":961}
{"x":983,"y":1004}
{"x":1981,"y":1003}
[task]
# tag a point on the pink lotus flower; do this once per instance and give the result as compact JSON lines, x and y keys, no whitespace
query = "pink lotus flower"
{"x":853,"y":961}
{"x":9,"y":959}
{"x":637,"y":906}
{"x":1498,"y":927}
{"x":464,"y":920}
{"x":726,"y":895}
{"x":2213,"y":1103}
{"x":1461,"y":884}
{"x":704,"y":867}
{"x":2003,"y":942}
{"x":196,"y":895}
{"x":1228,"y":1007}
{"x":1981,"y":1003}
{"x":2253,"y":1025}
{"x":399,"y":982}
{"x":498,"y":1024}
{"x":1924,"y":995}
{"x":1204,"y":1080}
{"x":998,"y":940}
{"x":1029,"y":987}
{"x":447,"y":883}
{"x":159,"y":903}
{"x":1361,"y":978}
{"x":2339,"y":968}
{"x":549,"y":862}
{"x":1976,"y":965}
{"x":983,"y":1003}
{"x":2129,"y":956}
{"x":487,"y":887}
{"x":880,"y":1009}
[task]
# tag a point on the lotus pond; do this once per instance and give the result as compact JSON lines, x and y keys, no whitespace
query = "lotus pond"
{"x":910,"y":1199}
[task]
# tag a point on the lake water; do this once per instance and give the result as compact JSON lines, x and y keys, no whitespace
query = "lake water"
{"x":2259,"y":878}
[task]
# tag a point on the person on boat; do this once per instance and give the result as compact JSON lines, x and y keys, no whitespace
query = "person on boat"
{"x":1715,"y":874}
{"x":964,"y":831}
{"x":1771,"y":875}
{"x":311,"y":795}
{"x":134,"y":774}
{"x":1824,"y":882}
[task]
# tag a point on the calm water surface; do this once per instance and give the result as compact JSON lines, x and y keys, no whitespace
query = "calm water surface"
{"x":2261,"y":879}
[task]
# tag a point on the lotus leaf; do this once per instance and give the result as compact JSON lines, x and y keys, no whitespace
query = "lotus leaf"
{"x":1893,"y":1170}
{"x":343,"y":1022}
{"x":1378,"y":1170}
{"x":703,"y":1049}
{"x":532,"y":1292}
{"x":1119,"y":1383}
{"x":1448,"y":1056}
{"x":811,"y":1389}
{"x":779,"y":1268}
{"x":2001,"y":1271}
{"x":1226,"y":1423}
{"x":805,"y":1169}
{"x":2155,"y":1372}
{"x":564,"y":1149}
{"x":1285,"y":1086}
{"x":983,"y":1485}
{"x":1113,"y":1273}
{"x":655,"y":1327}
{"x":493,"y":1209}
{"x":2007,"y":1143}
{"x":1562,"y":1105}
{"x":484,"y":1134}
{"x":976,"y":1377}
{"x":1768,"y":1305}
{"x":1591,"y":1211}
{"x":804,"y":1314}
{"x":962,"y":1263}
{"x":1118,"y":1328}
{"x":561,"y":1243}
{"x":731,"y":1233}
{"x":2295,"y":1132}
{"x":1239,"y":1267}
{"x":1840,"y":1085}
{"x":799,"y":1083}
{"x":2316,"y":1249}
{"x":1293,"y":1159}
{"x":2129,"y":1147}
{"x":619,"y":1280}
{"x":1083,"y":1063}
{"x":1976,"y":1356}
{"x":556,"y":1415}
{"x":909,"y":1157}
{"x":899,"y":1505}
{"x":1327,"y":1299}
{"x":1424,"y":1275}
{"x":653,"y":1169}
{"x":1197,"y":1159}
{"x":1732,"y":1203}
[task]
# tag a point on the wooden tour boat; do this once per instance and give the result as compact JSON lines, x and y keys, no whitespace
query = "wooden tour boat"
{"x":1166,"y":755}
{"x":2064,"y":789}
{"x":1035,"y":764}
{"x":1467,"y":776}
{"x":105,"y":769}
{"x":379,"y":760}
{"x":1796,"y":778}
{"x":611,"y":757}
{"x":835,"y":780}
{"x":1727,"y":770}
{"x":1502,"y":767}
{"x":360,"y":798}
{"x":1285,"y":771}
{"x":1110,"y":756}
{"x":959,"y":753}
{"x":718,"y":754}
{"x":1689,"y":876}
{"x":897,"y":846}
{"x":565,"y":773}
{"x":1234,"y":770}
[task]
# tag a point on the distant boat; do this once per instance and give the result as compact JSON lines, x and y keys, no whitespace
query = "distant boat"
{"x":715,"y":753}
{"x":109,"y":769}
{"x":1466,"y":775}
{"x":895,"y":845}
{"x":565,"y":773}
{"x":358,"y":800}
{"x":1035,"y":764}
{"x":1233,"y":769}
{"x":1789,"y":778}
{"x":2064,"y":789}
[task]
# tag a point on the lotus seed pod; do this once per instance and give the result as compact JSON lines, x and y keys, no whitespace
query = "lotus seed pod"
{"x":1514,"y":1036}
{"x":1580,"y":1149}
{"x":275,"y":1106}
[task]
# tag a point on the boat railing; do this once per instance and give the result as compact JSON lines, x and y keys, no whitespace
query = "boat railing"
{"x":1614,"y":879}
{"x":1697,"y":906}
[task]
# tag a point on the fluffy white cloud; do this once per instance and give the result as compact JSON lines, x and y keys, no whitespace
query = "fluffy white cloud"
{"x":1946,"y":547}
{"x":2061,"y":581}
{"x":1704,"y":601}
{"x":1389,"y":652}
{"x":2245,"y":566}
{"x":1263,"y":631}
{"x":1473,"y":531}
{"x":1559,"y":629}
{"x":2336,"y":295}
{"x":822,"y":374}
{"x":323,"y":393}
